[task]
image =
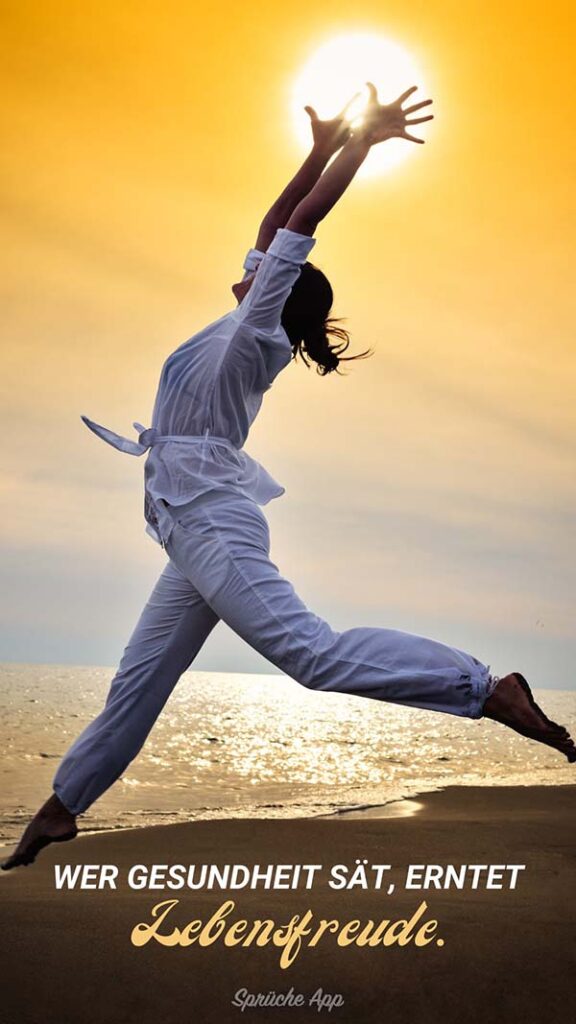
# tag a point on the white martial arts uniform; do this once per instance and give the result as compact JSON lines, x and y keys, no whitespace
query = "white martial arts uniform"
{"x":203,"y":498}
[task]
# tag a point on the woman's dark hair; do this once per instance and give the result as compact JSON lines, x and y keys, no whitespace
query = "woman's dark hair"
{"x":312,"y":332}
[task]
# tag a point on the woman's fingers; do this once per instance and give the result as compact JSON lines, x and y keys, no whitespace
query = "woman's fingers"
{"x":405,"y":95}
{"x":388,"y":120}
{"x":311,"y":113}
{"x":416,"y":106}
{"x":373,"y":97}
{"x":405,"y":135}
{"x":418,"y":120}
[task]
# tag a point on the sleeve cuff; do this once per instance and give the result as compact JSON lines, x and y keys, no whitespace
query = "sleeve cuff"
{"x":253,"y":258}
{"x":291,"y":246}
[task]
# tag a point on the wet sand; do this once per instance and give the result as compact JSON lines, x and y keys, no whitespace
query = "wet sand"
{"x":508,"y":955}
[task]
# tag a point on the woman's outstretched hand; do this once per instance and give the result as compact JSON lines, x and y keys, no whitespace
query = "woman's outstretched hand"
{"x":331,"y":134}
{"x":381,"y":121}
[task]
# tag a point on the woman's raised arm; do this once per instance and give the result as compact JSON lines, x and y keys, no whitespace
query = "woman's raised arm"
{"x":328,"y":136}
{"x":380,"y":122}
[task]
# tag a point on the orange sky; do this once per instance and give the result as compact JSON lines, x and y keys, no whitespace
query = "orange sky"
{"x":433,"y":488}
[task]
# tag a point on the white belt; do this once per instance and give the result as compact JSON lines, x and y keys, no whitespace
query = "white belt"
{"x":150,"y":436}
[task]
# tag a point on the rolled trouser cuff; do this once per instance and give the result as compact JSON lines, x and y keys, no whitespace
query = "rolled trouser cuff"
{"x":482,"y":684}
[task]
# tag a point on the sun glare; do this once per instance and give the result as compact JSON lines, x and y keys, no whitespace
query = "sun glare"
{"x":340,"y":68}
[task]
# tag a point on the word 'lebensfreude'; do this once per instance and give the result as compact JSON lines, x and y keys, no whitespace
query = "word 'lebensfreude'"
{"x":301,"y":930}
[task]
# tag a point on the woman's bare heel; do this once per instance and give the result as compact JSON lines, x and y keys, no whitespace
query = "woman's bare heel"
{"x":53,"y":823}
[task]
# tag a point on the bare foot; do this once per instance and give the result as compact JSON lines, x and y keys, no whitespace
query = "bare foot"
{"x":512,"y":703}
{"x":53,"y":823}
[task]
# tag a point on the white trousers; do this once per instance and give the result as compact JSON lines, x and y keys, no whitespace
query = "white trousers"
{"x":220,"y":568}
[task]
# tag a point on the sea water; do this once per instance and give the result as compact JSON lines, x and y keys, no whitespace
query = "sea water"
{"x":234,"y":745}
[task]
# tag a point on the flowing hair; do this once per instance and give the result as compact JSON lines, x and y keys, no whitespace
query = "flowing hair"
{"x":313,"y":333}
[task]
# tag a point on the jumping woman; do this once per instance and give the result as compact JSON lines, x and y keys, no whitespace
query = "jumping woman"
{"x":203,"y":498}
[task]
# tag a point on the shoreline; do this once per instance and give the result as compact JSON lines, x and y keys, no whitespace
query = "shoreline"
{"x":407,"y":806}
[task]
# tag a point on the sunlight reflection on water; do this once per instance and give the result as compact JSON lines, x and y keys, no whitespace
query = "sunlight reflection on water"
{"x":256,"y":746}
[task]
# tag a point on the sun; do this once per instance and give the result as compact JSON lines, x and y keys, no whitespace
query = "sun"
{"x":340,"y":68}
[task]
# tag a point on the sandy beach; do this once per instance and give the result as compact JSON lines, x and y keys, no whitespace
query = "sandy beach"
{"x":507,"y":955}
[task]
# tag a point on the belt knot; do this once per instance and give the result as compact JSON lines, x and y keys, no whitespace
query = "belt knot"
{"x":147,"y":436}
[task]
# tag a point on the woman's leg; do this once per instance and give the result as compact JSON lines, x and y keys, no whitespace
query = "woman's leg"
{"x":222,"y":547}
{"x":171,"y":630}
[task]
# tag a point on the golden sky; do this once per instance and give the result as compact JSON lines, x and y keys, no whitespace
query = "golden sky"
{"x":432,"y":489}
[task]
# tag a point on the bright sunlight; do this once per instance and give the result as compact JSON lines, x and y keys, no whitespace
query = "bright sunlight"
{"x":338,"y":70}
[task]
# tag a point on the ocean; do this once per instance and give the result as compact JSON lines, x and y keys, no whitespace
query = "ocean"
{"x":233,"y":745}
